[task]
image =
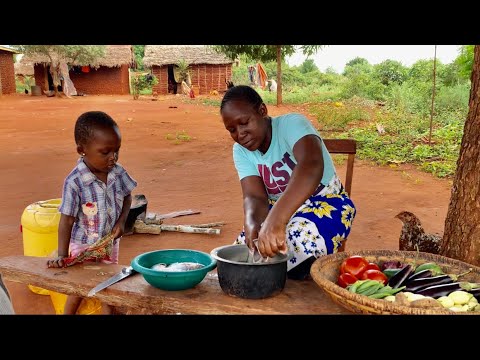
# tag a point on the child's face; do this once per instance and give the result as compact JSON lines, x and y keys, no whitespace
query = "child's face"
{"x":101,"y":152}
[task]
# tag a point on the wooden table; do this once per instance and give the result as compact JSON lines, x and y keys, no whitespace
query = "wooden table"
{"x":138,"y":297}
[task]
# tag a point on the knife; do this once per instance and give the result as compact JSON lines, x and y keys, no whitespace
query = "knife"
{"x":126,"y":271}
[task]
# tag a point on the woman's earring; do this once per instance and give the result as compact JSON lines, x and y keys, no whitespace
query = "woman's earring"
{"x":83,"y":154}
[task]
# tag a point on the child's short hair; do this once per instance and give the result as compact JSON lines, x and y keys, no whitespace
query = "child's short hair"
{"x":88,"y":122}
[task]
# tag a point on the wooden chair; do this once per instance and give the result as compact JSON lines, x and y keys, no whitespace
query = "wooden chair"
{"x":344,"y":146}
{"x":349,"y":147}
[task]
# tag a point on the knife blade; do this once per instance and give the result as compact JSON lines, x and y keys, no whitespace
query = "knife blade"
{"x":126,"y":271}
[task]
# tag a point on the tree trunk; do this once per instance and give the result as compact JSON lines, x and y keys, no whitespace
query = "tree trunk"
{"x":1,"y":91}
{"x":279,"y":75}
{"x":54,"y":71}
{"x":461,"y":239}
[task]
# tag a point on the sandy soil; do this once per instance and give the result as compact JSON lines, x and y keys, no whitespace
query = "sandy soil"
{"x":37,"y":151}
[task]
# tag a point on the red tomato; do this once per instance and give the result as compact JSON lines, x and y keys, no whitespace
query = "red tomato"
{"x":372,"y":266}
{"x":346,"y":279}
{"x":373,"y":274}
{"x":354,"y":265}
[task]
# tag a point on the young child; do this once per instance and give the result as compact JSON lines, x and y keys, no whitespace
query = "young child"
{"x":96,"y":195}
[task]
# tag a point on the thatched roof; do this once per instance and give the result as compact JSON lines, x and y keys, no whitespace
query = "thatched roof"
{"x":4,"y":48}
{"x":23,"y":67}
{"x":115,"y":56}
{"x":193,"y":54}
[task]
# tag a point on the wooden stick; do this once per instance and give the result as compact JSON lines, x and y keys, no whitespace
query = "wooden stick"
{"x":208,"y":225}
{"x":141,"y":228}
{"x":189,"y":229}
{"x":177,"y":213}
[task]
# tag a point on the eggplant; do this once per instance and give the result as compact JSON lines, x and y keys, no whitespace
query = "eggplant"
{"x":419,"y":275}
{"x":392,"y":264}
{"x":399,"y":278}
{"x":417,"y":284}
{"x":437,"y":291}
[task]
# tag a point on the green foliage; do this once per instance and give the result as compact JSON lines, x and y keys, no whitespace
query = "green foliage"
{"x":451,"y":75}
{"x":362,"y":82}
{"x":330,"y":71}
{"x":71,"y":54}
{"x":422,"y":71}
{"x":357,"y":61}
{"x":24,"y":84}
{"x":338,"y":118}
{"x":346,"y":106}
{"x":139,"y":53}
{"x":308,"y":66}
{"x":141,"y":83}
{"x":450,"y":99}
{"x":183,"y":70}
{"x":264,"y":53}
{"x":179,"y":137}
{"x":390,"y":71}
{"x":465,"y":61}
{"x":357,"y":68}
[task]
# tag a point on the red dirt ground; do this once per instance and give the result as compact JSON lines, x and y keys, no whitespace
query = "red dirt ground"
{"x":37,"y":151}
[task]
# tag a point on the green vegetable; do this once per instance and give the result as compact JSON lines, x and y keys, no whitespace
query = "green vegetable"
{"x":433,"y":267}
{"x":391,"y":272}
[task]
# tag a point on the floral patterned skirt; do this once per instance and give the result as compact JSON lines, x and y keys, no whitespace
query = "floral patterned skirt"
{"x":319,"y":226}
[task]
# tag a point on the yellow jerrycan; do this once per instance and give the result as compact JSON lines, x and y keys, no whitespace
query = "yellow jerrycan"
{"x":39,"y":225}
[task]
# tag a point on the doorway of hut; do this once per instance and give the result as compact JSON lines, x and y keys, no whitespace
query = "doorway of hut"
{"x":172,"y":84}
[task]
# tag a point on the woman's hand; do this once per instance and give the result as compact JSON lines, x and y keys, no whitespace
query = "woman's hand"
{"x":271,"y":238}
{"x":56,"y":263}
{"x":251,"y":233}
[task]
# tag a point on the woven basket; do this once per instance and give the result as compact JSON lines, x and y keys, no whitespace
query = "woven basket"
{"x":325,"y":271}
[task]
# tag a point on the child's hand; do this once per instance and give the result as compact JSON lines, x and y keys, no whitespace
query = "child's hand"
{"x":56,"y":263}
{"x":118,"y":230}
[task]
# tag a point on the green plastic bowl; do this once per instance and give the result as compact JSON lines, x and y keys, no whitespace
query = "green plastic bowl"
{"x":173,"y":280}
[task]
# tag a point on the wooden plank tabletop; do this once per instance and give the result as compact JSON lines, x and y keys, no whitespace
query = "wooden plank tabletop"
{"x":134,"y":293}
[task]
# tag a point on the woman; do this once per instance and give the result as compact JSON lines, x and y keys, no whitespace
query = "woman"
{"x":293,"y":200}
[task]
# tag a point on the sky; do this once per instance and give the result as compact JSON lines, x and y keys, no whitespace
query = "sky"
{"x":337,"y":56}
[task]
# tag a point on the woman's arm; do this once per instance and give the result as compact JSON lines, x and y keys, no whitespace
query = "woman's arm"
{"x":255,"y":206}
{"x":305,"y":179}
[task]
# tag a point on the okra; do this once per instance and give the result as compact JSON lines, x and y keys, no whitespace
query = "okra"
{"x":365,"y":285}
{"x":372,"y":289}
{"x":384,"y":293}
{"x":353,"y":288}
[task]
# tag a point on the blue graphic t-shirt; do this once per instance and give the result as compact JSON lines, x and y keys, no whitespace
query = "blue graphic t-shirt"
{"x":276,"y":165}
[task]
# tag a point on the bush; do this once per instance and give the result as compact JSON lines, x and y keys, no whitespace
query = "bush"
{"x":142,"y":83}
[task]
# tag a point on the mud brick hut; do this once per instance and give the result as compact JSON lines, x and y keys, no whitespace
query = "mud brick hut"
{"x":208,"y":69}
{"x":109,"y":75}
{"x":7,"y":72}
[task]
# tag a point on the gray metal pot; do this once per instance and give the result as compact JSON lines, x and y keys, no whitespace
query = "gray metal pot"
{"x":240,"y":278}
